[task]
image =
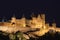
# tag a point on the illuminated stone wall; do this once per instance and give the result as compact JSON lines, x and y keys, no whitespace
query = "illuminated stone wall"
{"x":35,"y":22}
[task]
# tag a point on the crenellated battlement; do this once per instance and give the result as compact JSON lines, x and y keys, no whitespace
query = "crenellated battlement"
{"x":35,"y":22}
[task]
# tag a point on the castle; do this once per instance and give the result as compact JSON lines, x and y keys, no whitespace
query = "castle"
{"x":35,"y":22}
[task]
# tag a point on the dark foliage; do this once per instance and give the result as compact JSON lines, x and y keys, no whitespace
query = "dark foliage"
{"x":48,"y":36}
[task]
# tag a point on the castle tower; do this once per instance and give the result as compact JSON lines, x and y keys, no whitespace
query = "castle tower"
{"x":13,"y":19}
{"x":23,"y":17}
{"x":54,"y":25}
{"x":23,"y":21}
{"x":38,"y":16}
{"x":43,"y":20}
{"x":33,"y":16}
{"x":43,"y":16}
{"x":47,"y":25}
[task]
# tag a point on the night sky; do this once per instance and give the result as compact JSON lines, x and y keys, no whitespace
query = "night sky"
{"x":49,"y":7}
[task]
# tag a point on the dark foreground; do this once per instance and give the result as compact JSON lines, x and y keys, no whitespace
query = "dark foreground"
{"x":48,"y":36}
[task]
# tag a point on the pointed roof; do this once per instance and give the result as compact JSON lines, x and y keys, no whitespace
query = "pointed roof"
{"x":39,"y":16}
{"x":43,"y":16}
{"x":32,"y":15}
{"x":53,"y":24}
{"x":13,"y":17}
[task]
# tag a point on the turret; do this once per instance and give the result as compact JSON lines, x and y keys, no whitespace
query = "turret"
{"x":38,"y":17}
{"x":23,"y":21}
{"x":13,"y":20}
{"x":33,"y":16}
{"x":54,"y":24}
{"x":43,"y":16}
{"x":43,"y":20}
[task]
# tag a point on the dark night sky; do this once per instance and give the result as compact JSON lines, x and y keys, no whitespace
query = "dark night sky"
{"x":49,"y":7}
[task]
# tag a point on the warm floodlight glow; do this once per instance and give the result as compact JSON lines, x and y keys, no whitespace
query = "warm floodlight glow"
{"x":25,"y":25}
